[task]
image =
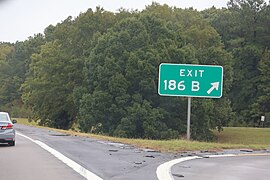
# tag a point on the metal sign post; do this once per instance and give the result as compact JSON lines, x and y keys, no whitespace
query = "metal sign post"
{"x":188,"y":118}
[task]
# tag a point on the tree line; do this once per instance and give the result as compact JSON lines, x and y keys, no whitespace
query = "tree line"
{"x":99,"y":71}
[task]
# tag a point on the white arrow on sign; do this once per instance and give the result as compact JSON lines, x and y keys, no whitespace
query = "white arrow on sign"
{"x":215,"y":85}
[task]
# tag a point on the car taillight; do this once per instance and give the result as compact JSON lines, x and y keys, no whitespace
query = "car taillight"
{"x":9,"y":126}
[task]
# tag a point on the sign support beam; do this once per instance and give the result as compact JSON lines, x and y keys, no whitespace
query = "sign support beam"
{"x":188,"y":118}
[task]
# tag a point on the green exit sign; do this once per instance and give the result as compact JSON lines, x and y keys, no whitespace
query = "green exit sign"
{"x":190,"y":80}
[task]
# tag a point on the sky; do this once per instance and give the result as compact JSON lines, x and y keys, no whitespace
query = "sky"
{"x":20,"y":19}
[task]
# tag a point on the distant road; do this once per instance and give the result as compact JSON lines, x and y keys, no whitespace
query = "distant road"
{"x":225,"y":168}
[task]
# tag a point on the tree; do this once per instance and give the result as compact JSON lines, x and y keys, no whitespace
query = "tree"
{"x":123,"y":66}
{"x":100,"y":69}
{"x":261,"y":107}
{"x":248,"y":14}
{"x":49,"y":88}
{"x":244,"y":31}
{"x":6,"y":89}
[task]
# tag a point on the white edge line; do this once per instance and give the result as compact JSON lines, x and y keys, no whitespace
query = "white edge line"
{"x":75,"y":166}
{"x":164,"y":170}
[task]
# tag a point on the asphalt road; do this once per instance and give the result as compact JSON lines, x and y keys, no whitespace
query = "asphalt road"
{"x":224,"y":168}
{"x":27,"y":161}
{"x":112,"y":161}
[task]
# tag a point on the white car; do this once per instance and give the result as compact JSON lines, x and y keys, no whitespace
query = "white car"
{"x":7,"y":132}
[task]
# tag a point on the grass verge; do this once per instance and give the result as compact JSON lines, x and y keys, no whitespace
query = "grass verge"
{"x":230,"y":138}
{"x":244,"y":135}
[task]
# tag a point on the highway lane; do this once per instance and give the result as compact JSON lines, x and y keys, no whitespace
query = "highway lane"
{"x":223,"y":168}
{"x":27,"y":161}
{"x":112,"y":161}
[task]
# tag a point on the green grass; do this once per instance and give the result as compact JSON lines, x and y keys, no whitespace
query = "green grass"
{"x":230,"y":138}
{"x":25,"y":122}
{"x":242,"y":135}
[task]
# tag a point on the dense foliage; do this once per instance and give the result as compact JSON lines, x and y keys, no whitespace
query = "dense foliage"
{"x":99,"y":71}
{"x":244,"y":28}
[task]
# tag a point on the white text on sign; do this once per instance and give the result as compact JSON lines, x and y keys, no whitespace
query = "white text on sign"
{"x":191,"y":73}
{"x":172,"y":85}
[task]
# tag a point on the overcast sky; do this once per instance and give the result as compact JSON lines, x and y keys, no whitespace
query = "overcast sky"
{"x":20,"y":19}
